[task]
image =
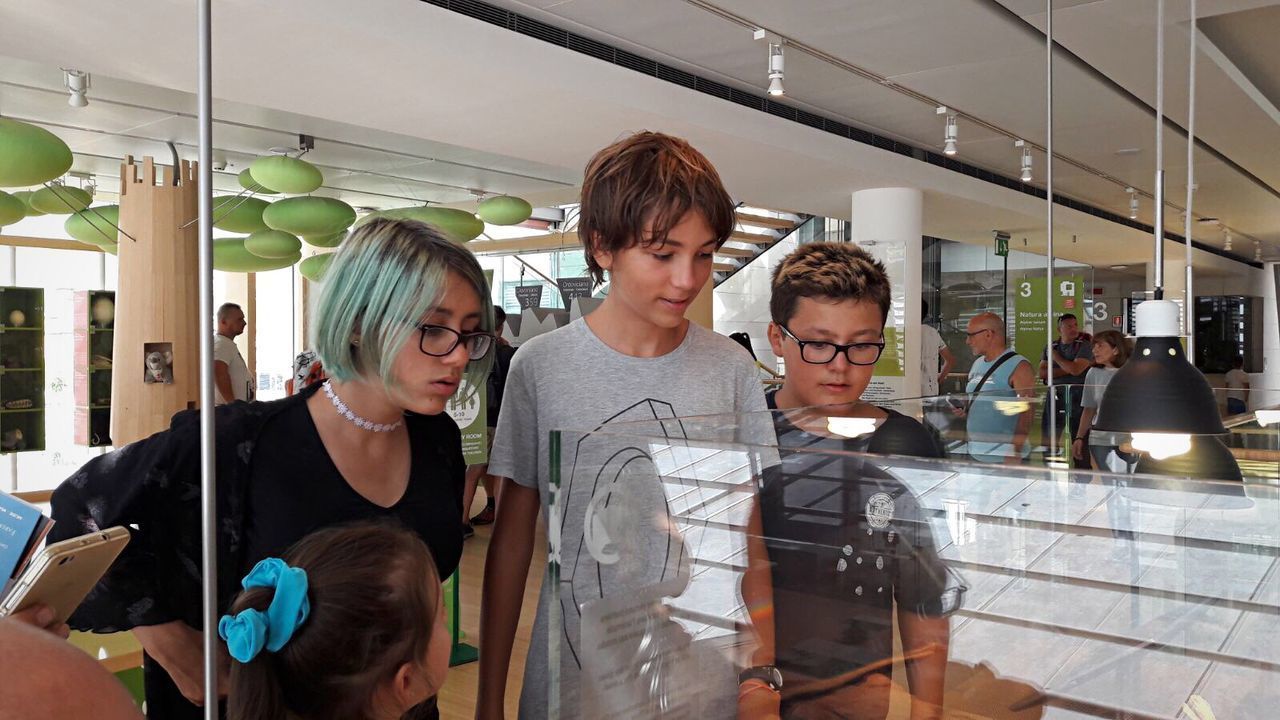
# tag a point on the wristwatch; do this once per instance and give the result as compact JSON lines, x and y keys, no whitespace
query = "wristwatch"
{"x":767,"y":674}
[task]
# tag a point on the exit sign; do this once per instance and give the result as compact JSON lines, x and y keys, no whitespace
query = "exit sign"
{"x":1002,"y":247}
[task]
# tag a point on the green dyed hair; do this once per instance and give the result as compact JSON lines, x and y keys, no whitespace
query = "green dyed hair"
{"x":385,"y":278}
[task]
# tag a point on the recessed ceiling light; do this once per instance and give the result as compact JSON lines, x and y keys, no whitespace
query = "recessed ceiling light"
{"x":1128,"y":151}
{"x":1119,"y":267}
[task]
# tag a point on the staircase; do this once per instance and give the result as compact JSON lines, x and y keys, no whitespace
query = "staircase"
{"x":756,"y":231}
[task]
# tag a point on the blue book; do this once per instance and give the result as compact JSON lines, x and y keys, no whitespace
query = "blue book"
{"x":22,"y":529}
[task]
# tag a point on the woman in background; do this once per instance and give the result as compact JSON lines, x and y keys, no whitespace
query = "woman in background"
{"x":1110,"y":352}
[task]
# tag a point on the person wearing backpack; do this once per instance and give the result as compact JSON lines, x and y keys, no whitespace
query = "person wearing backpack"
{"x":497,"y":381}
{"x":996,"y":431}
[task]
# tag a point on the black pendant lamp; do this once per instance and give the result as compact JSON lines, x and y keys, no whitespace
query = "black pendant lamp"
{"x":1158,"y":390}
{"x":1208,"y":459}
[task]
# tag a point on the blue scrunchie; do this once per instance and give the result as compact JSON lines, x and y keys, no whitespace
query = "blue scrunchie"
{"x":248,"y":632}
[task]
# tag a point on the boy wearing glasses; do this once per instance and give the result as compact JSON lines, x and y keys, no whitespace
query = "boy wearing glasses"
{"x":653,"y":213}
{"x":848,"y":542}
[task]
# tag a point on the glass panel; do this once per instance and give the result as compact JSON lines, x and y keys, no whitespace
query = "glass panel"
{"x":892,"y":585}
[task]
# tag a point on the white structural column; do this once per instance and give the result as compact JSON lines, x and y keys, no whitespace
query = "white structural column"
{"x":887,"y":223}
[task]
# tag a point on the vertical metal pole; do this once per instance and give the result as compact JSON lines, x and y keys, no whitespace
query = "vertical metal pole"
{"x":208,"y":468}
{"x":1189,"y":297}
{"x":13,"y":280}
{"x":1159,"y":191}
{"x":1050,"y":325}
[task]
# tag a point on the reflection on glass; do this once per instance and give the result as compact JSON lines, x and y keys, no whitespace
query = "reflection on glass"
{"x":902,"y":587}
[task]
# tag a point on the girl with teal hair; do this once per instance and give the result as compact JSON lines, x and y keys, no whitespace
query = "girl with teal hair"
{"x":402,"y":323}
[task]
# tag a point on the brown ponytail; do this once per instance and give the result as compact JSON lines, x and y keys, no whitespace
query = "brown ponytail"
{"x":373,"y":592}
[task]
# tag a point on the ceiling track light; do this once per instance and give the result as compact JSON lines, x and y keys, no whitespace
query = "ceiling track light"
{"x":1026,"y":160}
{"x":77,"y":84}
{"x":1133,"y":203}
{"x":952,"y":130}
{"x":1226,"y":242}
{"x":777,"y":65}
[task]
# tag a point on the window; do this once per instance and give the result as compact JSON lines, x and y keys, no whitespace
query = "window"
{"x":60,"y":273}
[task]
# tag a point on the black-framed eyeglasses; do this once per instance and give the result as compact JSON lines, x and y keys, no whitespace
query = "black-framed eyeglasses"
{"x":816,"y":352}
{"x":977,"y":332}
{"x":438,"y":341}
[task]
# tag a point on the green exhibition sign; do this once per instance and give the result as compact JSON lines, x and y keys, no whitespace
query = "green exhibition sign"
{"x":1030,"y":312}
{"x":467,"y":407}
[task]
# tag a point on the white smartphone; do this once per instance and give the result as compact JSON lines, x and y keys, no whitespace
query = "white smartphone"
{"x":64,"y":572}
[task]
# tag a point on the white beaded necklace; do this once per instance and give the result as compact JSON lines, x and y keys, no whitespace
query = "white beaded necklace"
{"x":355,"y":419}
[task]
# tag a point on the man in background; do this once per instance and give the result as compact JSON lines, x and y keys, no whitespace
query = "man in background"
{"x":1237,"y":388}
{"x":936,"y":359}
{"x":1072,"y":356}
{"x":230,"y":373}
{"x":497,"y":382}
{"x":995,"y":426}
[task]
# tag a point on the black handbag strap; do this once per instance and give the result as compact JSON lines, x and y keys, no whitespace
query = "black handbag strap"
{"x":990,"y":371}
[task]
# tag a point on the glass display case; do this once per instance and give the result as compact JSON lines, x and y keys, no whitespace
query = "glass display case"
{"x":94,"y":331}
{"x":684,"y":551}
{"x":22,"y":406}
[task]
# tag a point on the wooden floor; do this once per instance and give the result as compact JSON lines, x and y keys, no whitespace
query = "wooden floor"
{"x":458,"y":698}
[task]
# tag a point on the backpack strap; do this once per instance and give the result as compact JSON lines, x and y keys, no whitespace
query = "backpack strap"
{"x":1008,"y":354}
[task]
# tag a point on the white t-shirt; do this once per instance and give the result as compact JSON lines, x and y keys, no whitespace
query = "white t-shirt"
{"x":1237,"y":379}
{"x":930,"y":362}
{"x":225,"y":350}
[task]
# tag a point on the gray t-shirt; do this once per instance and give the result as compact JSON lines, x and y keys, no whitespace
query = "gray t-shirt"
{"x":1096,"y":381}
{"x":570,"y":380}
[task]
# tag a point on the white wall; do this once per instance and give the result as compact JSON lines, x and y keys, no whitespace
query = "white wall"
{"x":741,"y":303}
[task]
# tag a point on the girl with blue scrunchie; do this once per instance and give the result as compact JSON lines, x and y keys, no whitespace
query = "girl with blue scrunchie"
{"x":348,"y":625}
{"x":402,"y":322}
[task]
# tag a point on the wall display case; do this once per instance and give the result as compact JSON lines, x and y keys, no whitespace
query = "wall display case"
{"x":22,"y":388}
{"x":1009,"y":591}
{"x":94,"y":339}
{"x":1228,"y":327}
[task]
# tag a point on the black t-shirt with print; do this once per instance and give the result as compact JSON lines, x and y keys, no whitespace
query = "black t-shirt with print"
{"x":846,"y":540}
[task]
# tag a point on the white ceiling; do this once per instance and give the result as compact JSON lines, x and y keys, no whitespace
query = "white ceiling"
{"x":986,"y":59}
{"x":389,"y":85}
{"x":361,"y":165}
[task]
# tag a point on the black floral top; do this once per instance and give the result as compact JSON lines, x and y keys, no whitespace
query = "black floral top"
{"x":153,"y":487}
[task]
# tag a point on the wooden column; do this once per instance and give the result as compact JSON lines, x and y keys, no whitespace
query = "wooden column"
{"x":158,"y":299}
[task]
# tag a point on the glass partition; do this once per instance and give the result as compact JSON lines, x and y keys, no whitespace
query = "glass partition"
{"x":683,"y":551}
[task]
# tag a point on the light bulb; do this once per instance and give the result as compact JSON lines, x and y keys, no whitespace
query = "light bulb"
{"x":1162,"y":445}
{"x":777,"y":68}
{"x":951,"y":133}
